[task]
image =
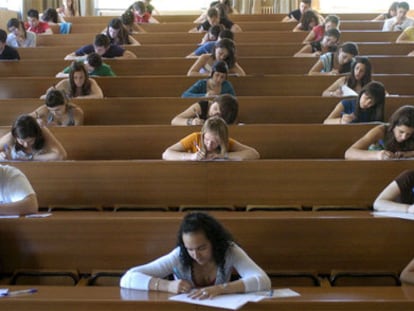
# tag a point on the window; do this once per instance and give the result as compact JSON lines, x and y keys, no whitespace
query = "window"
{"x":352,"y":6}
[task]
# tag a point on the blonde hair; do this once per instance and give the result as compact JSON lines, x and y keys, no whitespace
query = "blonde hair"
{"x":216,"y":126}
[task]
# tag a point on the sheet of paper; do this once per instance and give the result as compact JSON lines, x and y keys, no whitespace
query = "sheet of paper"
{"x":39,"y":215}
{"x":347,"y":91}
{"x":278,"y":293}
{"x":232,"y":302}
{"x":394,"y":215}
{"x":8,"y":216}
{"x":3,"y":291}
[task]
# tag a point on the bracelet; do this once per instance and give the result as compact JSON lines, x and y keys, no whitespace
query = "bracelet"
{"x":157,"y":284}
{"x":190,"y":121}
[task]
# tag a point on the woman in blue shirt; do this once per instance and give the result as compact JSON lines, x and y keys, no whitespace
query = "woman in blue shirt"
{"x":367,"y":107}
{"x":217,"y":84}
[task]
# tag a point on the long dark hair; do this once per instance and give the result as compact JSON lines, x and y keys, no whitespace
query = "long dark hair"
{"x":14,"y":22}
{"x":122,"y":36}
{"x":350,"y":48}
{"x":351,"y":81}
{"x":218,"y":236}
{"x":86,"y":87}
{"x":402,"y":116}
{"x":26,"y":126}
{"x":376,"y":91}
{"x":231,"y":48}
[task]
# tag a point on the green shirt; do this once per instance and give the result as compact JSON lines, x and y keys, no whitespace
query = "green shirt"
{"x":104,"y":70}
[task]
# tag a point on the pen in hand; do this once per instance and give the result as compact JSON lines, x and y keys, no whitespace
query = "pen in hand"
{"x":176,"y":273}
{"x":21,"y":292}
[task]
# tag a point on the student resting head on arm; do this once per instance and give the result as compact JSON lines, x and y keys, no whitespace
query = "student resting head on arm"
{"x":27,"y":141}
{"x":398,"y":196}
{"x":58,"y":111}
{"x":17,"y":196}
{"x":78,"y":84}
{"x":93,"y":65}
{"x":329,"y":43}
{"x":224,"y":106}
{"x":359,"y":76}
{"x":211,"y":143}
{"x":394,"y":140}
{"x":202,"y":264}
{"x":18,"y":36}
{"x":223,"y":50}
{"x":368,"y":107}
{"x":216,"y":85}
{"x":336,"y":63}
{"x":307,"y":22}
{"x":317,"y":32}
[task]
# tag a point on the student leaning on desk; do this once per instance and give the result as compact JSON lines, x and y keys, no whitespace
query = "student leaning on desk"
{"x":202,"y":264}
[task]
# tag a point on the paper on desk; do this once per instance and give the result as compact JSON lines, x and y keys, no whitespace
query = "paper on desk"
{"x":278,"y":293}
{"x":9,"y":216}
{"x":3,"y":291}
{"x":232,"y":301}
{"x":394,"y":214}
{"x":347,"y":91}
{"x":38,"y":215}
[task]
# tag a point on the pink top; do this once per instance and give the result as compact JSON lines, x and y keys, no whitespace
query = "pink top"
{"x":142,"y":19}
{"x":319,"y":31}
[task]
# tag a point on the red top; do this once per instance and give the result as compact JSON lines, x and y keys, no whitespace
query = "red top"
{"x":142,"y":19}
{"x":40,"y":28}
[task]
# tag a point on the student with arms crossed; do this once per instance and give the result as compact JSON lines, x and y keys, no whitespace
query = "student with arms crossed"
{"x":394,"y":140}
{"x":211,"y":143}
{"x":224,"y":106}
{"x":368,"y":107}
{"x":17,"y":196}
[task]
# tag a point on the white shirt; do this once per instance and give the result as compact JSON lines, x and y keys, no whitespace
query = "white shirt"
{"x":253,"y":277}
{"x":14,"y":186}
{"x":389,"y":22}
{"x":28,"y":43}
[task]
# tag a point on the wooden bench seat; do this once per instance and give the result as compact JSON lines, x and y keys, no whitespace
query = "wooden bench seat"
{"x":180,"y":66}
{"x":243,"y":50}
{"x":174,"y":86}
{"x":194,"y":38}
{"x":324,"y":242}
{"x":131,"y":142}
{"x":235,"y":18}
{"x":161,"y":110}
{"x":247,"y":26}
{"x":263,"y":182}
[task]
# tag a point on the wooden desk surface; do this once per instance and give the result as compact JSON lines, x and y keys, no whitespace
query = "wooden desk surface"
{"x":114,"y":298}
{"x":289,"y":241}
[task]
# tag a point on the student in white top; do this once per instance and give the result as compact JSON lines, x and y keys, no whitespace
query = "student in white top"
{"x":400,"y":21}
{"x":202,"y":264}
{"x":17,"y":196}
